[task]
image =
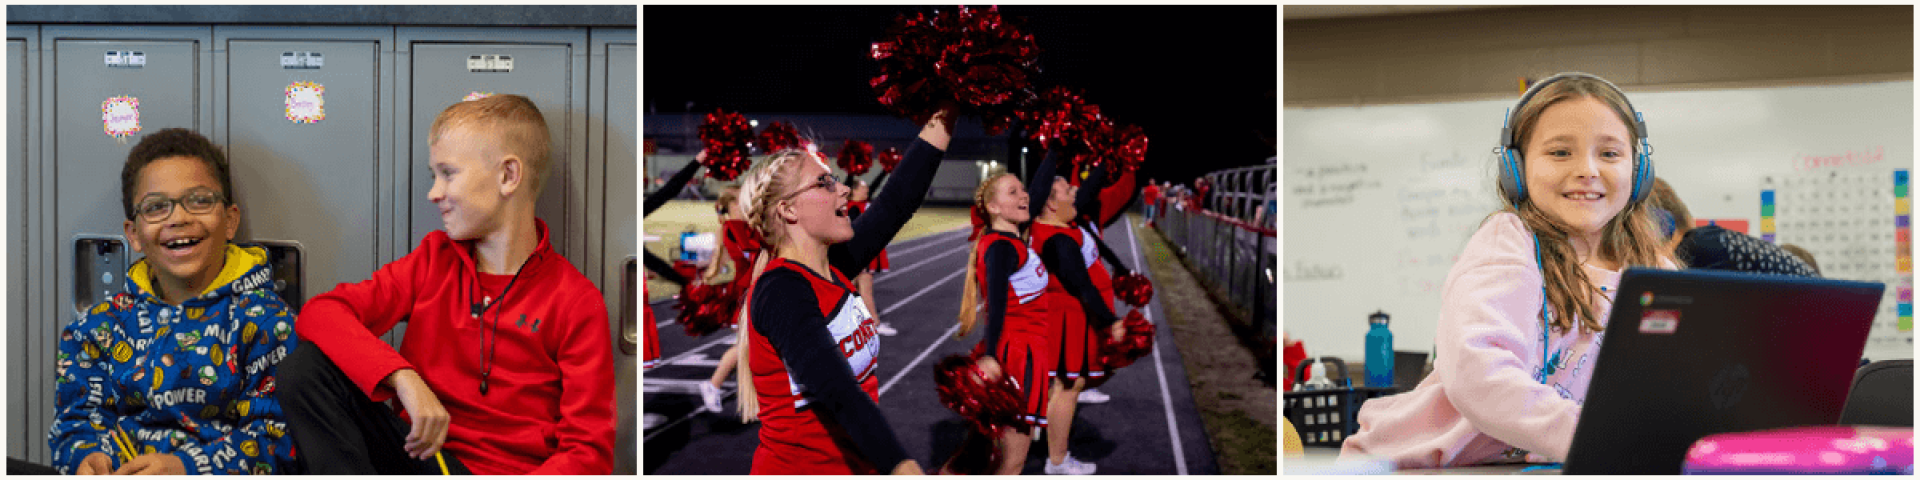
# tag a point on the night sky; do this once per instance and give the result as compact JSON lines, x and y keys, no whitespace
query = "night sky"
{"x":1201,"y":80}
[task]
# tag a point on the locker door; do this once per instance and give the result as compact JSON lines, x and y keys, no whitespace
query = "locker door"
{"x":19,"y":79}
{"x":615,"y":150}
{"x":542,"y":73}
{"x":85,"y":162}
{"x":302,"y":179}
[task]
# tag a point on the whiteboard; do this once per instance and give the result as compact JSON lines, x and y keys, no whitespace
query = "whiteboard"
{"x":1379,"y":200}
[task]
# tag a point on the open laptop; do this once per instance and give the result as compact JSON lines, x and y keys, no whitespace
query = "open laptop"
{"x":1693,"y":353}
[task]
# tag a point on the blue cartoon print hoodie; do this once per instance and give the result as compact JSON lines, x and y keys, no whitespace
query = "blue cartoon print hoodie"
{"x":194,"y":380}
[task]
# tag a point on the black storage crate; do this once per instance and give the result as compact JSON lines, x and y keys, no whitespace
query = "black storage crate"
{"x":1324,"y":417}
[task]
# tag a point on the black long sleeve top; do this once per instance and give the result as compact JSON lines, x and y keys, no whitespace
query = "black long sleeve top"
{"x":809,"y":351}
{"x":813,"y":359}
{"x":1001,"y":260}
{"x":671,"y":189}
{"x":1063,"y":261}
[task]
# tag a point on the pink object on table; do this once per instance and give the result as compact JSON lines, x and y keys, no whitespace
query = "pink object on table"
{"x":1827,"y":449}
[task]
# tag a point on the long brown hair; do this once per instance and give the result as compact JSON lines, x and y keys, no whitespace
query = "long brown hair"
{"x":1630,"y":237}
{"x":970,"y":291}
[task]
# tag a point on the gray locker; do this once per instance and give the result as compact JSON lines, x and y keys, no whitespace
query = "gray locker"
{"x":548,"y":66}
{"x":22,"y":44}
{"x":548,"y":69}
{"x":84,"y":165}
{"x":310,"y":185}
{"x":613,"y":154}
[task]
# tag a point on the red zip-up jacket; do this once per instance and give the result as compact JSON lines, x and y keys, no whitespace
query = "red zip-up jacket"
{"x":549,"y":405}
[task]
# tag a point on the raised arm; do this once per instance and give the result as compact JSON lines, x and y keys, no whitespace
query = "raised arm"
{"x":673,"y":186}
{"x":1040,"y":187}
{"x":891,"y":208}
{"x":1087,"y":201}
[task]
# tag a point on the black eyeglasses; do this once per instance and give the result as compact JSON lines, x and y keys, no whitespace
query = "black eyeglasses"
{"x":826,"y":181}
{"x":156,"y":207}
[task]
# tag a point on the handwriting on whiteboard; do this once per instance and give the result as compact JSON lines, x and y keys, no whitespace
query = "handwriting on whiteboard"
{"x":1865,"y":156}
{"x":1304,"y":271}
{"x":1323,"y":186}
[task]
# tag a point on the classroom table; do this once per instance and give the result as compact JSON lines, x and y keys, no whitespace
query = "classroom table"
{"x":1323,"y":460}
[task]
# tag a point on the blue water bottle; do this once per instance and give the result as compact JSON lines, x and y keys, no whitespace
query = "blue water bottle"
{"x":1379,"y":351}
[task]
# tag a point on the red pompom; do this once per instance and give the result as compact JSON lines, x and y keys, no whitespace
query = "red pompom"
{"x":889,"y":158}
{"x":856,"y":157}
{"x":743,"y":235}
{"x":1137,"y":343}
{"x":1060,"y":121}
{"x":971,"y":57}
{"x":779,"y":136}
{"x":1134,"y":289}
{"x":1125,"y":146}
{"x":704,"y":308}
{"x":726,"y":137}
{"x":985,"y":405}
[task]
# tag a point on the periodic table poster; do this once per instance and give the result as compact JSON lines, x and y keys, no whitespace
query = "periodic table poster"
{"x":1857,"y":224}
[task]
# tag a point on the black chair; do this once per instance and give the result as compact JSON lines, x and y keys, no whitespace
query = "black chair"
{"x":1882,"y":394}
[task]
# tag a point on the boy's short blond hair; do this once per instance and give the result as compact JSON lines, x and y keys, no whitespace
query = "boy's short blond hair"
{"x":513,"y":125}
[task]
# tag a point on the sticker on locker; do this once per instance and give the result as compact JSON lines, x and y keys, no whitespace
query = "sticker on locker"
{"x":120,"y":117}
{"x":306,"y":102}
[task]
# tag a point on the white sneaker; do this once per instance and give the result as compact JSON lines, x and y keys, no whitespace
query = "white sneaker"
{"x":1094,"y":396}
{"x":1071,"y":466}
{"x":886,"y":329}
{"x":710,"y":396}
{"x":652,"y":420}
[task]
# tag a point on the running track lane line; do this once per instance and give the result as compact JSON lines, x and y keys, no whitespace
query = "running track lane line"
{"x":876,"y":279}
{"x":1166,"y":396}
{"x":883,"y":389}
{"x":929,"y":237}
{"x":936,"y":343}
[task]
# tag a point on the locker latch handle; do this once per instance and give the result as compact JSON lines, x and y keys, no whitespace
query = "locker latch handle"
{"x":629,"y":312}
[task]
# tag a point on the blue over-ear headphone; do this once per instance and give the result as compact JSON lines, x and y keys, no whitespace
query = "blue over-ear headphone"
{"x":1513,"y":180}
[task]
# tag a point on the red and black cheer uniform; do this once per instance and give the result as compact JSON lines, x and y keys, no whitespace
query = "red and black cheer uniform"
{"x":1082,"y":314}
{"x":741,"y":245}
{"x":650,"y":353}
{"x":1090,"y":247}
{"x":813,"y":348}
{"x":1012,"y":281}
{"x":1076,"y":305}
{"x":880,"y":263}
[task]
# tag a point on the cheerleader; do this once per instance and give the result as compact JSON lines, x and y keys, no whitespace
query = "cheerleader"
{"x":740,"y":245}
{"x":1077,"y":308}
{"x":1093,"y":249}
{"x":1004,"y":272}
{"x":650,"y":334}
{"x":856,"y":205}
{"x":807,"y":372}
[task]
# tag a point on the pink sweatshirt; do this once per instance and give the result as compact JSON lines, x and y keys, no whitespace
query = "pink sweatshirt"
{"x":1483,"y":402}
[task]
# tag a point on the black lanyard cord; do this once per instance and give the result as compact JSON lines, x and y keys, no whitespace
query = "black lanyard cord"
{"x":479,"y":309}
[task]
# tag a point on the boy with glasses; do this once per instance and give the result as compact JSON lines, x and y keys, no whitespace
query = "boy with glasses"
{"x":176,"y":376}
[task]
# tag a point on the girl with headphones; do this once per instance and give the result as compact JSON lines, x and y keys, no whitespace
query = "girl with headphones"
{"x":1521,"y":311}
